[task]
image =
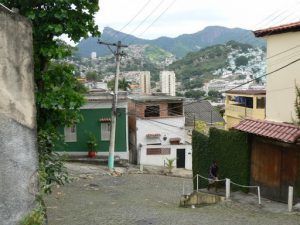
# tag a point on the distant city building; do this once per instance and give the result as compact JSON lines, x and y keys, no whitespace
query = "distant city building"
{"x":93,"y":55}
{"x":167,"y":82}
{"x":145,"y":84}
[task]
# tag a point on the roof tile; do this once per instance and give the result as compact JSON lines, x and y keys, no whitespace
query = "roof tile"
{"x":280,"y":131}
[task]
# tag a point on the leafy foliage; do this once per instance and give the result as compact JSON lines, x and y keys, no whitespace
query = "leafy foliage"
{"x":93,"y":76}
{"x":51,"y":167}
{"x":92,"y":142}
{"x":170,"y":164}
{"x":241,"y":61}
{"x":36,"y":217}
{"x":123,"y":84}
{"x":60,"y":98}
{"x":194,"y":94}
{"x":228,"y":148}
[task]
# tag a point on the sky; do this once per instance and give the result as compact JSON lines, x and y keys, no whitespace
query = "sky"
{"x":172,"y":18}
{"x":190,"y":16}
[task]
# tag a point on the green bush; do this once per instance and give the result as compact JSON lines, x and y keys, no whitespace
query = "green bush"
{"x":201,"y":157}
{"x":230,"y":150}
{"x":36,"y":217}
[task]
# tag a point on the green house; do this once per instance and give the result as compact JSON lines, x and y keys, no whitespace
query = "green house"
{"x":96,"y":120}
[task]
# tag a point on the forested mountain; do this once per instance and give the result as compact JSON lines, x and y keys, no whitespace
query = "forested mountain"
{"x":179,"y":46}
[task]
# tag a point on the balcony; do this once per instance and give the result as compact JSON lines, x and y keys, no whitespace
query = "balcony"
{"x":239,"y":111}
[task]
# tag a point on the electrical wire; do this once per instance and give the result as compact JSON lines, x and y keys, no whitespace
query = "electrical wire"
{"x":144,"y":20}
{"x":130,"y":21}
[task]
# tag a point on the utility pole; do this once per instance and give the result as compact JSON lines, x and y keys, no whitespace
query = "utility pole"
{"x":117,"y":54}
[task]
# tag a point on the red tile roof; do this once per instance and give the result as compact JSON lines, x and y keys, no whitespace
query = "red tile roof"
{"x":278,"y":29}
{"x":279,"y":131}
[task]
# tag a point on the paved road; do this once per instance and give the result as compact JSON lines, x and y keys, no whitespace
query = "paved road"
{"x":94,"y":198}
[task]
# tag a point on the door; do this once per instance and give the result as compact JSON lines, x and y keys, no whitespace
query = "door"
{"x":180,"y":158}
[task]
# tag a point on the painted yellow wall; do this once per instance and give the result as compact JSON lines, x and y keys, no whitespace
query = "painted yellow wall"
{"x":234,"y":114}
{"x":280,"y":87}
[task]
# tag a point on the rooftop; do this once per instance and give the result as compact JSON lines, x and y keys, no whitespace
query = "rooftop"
{"x":155,"y":98}
{"x":203,"y":111}
{"x":280,"y":131}
{"x":247,"y":92}
{"x":290,"y":27}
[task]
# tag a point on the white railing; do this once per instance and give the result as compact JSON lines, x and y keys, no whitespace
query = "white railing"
{"x":227,"y":186}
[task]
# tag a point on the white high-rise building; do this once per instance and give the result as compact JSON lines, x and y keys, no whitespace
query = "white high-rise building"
{"x":93,"y":55}
{"x":145,"y":84}
{"x":167,"y":82}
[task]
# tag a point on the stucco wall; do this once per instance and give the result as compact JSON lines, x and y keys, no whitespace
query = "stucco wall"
{"x":280,"y":88}
{"x":18,"y":156}
{"x":160,"y":160}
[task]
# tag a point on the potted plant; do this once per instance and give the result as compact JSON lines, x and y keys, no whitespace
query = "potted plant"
{"x":92,"y":145}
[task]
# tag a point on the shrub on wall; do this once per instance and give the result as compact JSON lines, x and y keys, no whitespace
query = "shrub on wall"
{"x":230,"y":150}
{"x":201,"y":156}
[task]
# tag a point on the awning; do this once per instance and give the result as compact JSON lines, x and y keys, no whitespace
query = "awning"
{"x":280,"y":131}
{"x":105,"y":120}
{"x":152,"y":135}
{"x":174,"y":139}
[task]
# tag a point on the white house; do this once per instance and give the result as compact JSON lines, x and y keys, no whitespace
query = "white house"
{"x":157,"y":131}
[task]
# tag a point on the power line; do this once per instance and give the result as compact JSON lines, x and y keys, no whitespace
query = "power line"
{"x":141,"y":23}
{"x":130,"y":21}
{"x":267,"y":74}
{"x":160,"y":15}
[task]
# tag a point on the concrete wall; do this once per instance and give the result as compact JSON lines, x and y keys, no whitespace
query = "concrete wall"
{"x":281,"y":93}
{"x":18,"y":156}
{"x":160,"y":160}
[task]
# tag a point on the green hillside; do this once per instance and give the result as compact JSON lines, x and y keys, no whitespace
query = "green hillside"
{"x":155,"y":54}
{"x":198,"y":67}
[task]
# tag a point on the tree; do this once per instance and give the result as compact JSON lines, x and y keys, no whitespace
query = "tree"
{"x":91,"y":76}
{"x":57,"y":91}
{"x":214,"y":95}
{"x":194,"y":94}
{"x":123,"y":84}
{"x":241,"y":61}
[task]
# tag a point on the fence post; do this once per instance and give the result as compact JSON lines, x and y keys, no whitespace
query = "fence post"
{"x":290,"y":199}
{"x":227,"y":188}
{"x":197,"y":182}
{"x":258,"y":194}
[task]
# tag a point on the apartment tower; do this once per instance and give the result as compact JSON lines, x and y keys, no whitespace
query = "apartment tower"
{"x":167,"y":82}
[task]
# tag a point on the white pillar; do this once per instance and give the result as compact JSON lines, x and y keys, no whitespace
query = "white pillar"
{"x":197,"y":182}
{"x":258,"y":194}
{"x":290,"y":199}
{"x":227,"y":188}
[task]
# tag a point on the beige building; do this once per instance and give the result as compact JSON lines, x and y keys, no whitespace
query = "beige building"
{"x":145,"y":84}
{"x":282,"y":49}
{"x":168,"y":82}
{"x":242,"y":104}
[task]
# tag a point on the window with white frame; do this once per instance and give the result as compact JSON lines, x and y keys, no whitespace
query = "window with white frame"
{"x":70,"y":134}
{"x":105,"y":131}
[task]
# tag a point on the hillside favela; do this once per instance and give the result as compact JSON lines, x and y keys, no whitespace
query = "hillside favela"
{"x":149,"y":112}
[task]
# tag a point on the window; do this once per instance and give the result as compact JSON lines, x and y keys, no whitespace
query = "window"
{"x":152,"y":111}
{"x":70,"y":134}
{"x":158,"y":151}
{"x":261,"y":102}
{"x":175,"y":109}
{"x":105,"y":131}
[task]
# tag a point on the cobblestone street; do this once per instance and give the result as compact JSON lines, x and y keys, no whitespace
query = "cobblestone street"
{"x":95,"y":198}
